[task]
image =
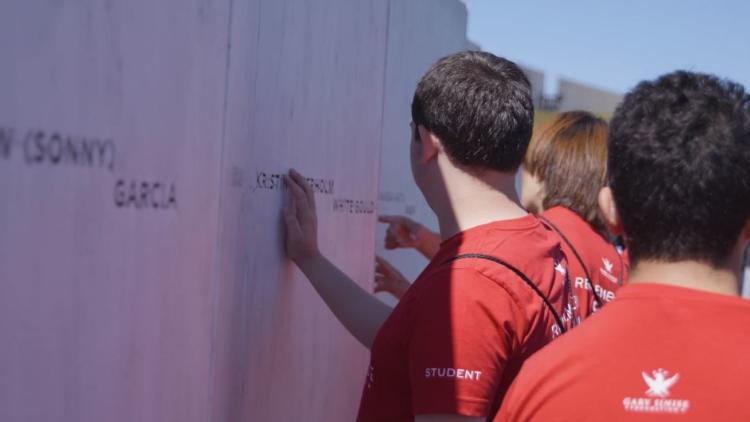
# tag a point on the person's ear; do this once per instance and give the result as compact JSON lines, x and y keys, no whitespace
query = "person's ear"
{"x":608,"y":210}
{"x":430,"y":144}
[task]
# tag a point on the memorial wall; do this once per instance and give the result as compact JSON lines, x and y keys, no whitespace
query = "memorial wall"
{"x":111,"y":119}
{"x":141,"y":153}
{"x":304,"y":90}
{"x":420,"y":32}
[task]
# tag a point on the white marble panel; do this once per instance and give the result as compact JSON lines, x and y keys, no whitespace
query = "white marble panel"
{"x":111,"y":114}
{"x":306,"y":91}
{"x":420,"y":32}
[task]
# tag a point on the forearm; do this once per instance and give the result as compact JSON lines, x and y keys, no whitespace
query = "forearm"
{"x":359,"y":311}
{"x":428,"y":242}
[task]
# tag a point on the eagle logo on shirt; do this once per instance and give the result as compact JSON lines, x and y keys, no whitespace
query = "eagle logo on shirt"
{"x":659,"y":384}
{"x":607,"y":264}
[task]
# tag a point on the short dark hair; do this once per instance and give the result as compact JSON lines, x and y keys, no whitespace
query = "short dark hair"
{"x":480,"y":107}
{"x":679,"y":167}
{"x":568,"y":155}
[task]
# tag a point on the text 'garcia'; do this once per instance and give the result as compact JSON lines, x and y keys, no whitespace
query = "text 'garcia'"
{"x":142,"y":195}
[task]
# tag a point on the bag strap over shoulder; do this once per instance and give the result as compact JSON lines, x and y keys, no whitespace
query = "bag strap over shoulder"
{"x":522,"y":276}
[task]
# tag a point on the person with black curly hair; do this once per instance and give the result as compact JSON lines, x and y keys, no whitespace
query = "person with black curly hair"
{"x":674,"y":342}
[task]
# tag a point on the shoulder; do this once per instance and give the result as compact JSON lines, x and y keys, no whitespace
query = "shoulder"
{"x":559,"y":375}
{"x":575,"y":229}
{"x":467,"y":296}
{"x":495,"y":272}
{"x":468,"y":279}
{"x":580,"y":351}
{"x":561,"y":217}
{"x":486,"y":292}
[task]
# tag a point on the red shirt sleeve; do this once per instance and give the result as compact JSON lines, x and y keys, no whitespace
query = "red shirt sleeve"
{"x":464,"y":332}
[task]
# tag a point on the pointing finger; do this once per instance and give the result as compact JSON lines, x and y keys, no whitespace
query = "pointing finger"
{"x":390,"y":219}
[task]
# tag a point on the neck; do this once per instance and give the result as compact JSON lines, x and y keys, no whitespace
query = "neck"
{"x":689,"y":274}
{"x":471,"y":201}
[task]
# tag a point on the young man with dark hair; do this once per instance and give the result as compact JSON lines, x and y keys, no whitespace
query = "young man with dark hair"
{"x":564,"y":169}
{"x":674,"y":343}
{"x":494,"y":293}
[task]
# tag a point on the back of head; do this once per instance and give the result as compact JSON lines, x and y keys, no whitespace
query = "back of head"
{"x":679,"y":167}
{"x":569,"y":156}
{"x":480,"y":107}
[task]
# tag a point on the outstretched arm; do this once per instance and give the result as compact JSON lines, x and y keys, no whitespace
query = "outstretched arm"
{"x":360,"y":312}
{"x":403,"y":232}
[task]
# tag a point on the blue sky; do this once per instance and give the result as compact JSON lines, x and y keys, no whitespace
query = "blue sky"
{"x":614,"y":44}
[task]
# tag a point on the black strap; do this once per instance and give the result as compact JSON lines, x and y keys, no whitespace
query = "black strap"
{"x":578,"y":257}
{"x":623,"y":276}
{"x":522,"y":276}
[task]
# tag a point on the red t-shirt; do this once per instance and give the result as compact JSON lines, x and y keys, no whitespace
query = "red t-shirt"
{"x":604,"y":264}
{"x":459,"y":334}
{"x":657,"y":352}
